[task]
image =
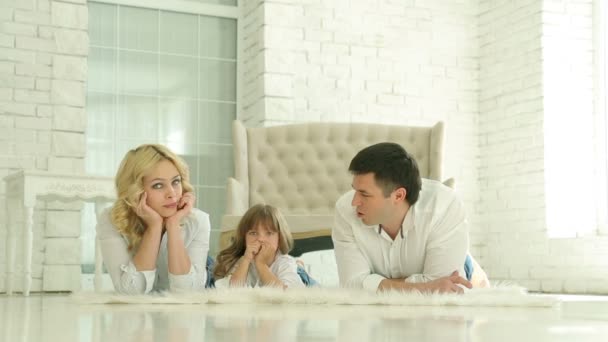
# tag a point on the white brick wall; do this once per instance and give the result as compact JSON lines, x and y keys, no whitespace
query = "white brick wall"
{"x":370,"y":61}
{"x":475,"y":64}
{"x":535,"y":66}
{"x":43,"y":49}
{"x":410,"y":63}
{"x":478,"y":66}
{"x":511,"y":115}
{"x":253,"y":62}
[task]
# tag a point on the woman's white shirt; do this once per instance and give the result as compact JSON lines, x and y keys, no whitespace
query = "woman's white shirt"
{"x":118,"y":260}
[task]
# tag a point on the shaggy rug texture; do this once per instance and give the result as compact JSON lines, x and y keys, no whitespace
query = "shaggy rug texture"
{"x":500,"y":296}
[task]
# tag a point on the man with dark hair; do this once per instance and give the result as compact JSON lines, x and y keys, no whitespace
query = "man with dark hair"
{"x":395,"y":230}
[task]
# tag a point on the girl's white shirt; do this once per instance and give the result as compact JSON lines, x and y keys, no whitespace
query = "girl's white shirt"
{"x":118,"y":260}
{"x":284,"y":267}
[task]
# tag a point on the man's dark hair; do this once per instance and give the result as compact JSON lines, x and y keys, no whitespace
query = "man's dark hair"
{"x":392,"y":166}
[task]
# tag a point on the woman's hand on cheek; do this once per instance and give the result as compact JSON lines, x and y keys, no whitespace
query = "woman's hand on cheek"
{"x":150,"y":217}
{"x":186,"y":202}
{"x":266,"y":254}
{"x":184,"y":208}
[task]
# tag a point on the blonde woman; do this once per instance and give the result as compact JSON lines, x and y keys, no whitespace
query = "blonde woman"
{"x":153,"y":238}
{"x":258,"y":255}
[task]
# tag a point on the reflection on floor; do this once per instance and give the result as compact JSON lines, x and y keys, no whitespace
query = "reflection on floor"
{"x":58,"y":318}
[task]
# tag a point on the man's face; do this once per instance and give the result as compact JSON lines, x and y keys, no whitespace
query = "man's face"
{"x":371,"y":205}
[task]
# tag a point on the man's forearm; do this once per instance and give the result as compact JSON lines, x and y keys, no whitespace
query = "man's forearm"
{"x":399,"y":284}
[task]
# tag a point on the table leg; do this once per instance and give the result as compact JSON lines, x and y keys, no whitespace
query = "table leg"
{"x":98,"y":257}
{"x":28,"y":241}
{"x":98,"y":266}
{"x":10,"y":250}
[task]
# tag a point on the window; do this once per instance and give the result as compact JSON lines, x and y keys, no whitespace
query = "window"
{"x":161,"y":76}
{"x":600,"y":19}
{"x":574,"y":122}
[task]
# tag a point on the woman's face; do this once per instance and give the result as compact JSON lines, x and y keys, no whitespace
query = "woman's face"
{"x":163,"y":185}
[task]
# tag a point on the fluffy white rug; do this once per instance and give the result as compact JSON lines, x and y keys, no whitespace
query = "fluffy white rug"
{"x":505,"y":296}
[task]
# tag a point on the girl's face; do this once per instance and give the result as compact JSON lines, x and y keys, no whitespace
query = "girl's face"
{"x":163,"y":184}
{"x":261,"y":233}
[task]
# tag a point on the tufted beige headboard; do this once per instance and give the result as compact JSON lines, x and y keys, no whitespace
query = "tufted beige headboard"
{"x":303,"y":168}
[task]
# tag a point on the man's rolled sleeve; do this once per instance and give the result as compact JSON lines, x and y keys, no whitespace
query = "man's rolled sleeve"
{"x":354,"y":270}
{"x":372,"y":282}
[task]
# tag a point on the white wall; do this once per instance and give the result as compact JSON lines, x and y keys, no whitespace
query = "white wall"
{"x":370,"y":61}
{"x":394,"y":62}
{"x":475,"y":64}
{"x":478,"y":66}
{"x":536,"y":68}
{"x":43,"y":68}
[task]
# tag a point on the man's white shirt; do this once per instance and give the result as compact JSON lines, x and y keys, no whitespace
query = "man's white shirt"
{"x":433,"y":241}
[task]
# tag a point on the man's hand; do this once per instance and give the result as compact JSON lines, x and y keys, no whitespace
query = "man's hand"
{"x":447,"y":284}
{"x":450,"y":284}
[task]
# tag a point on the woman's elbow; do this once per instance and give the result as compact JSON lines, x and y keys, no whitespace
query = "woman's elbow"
{"x":130,"y":290}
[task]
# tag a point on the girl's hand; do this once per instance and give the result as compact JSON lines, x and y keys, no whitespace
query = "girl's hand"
{"x":184,"y":208}
{"x":252,"y":250}
{"x":150,"y":217}
{"x":266,"y":255}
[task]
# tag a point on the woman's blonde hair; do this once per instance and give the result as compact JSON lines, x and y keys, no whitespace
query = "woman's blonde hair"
{"x":266,"y":215}
{"x":129,"y":183}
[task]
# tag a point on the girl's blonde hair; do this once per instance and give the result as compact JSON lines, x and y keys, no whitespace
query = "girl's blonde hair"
{"x":266,"y":215}
{"x":129,"y":183}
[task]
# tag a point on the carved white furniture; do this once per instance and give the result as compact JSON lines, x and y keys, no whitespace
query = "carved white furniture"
{"x":22,"y":189}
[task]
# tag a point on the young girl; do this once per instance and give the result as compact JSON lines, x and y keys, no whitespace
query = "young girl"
{"x":153,"y":238}
{"x":258,"y":255}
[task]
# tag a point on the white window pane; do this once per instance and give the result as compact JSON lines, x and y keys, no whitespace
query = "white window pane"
{"x":138,"y":28}
{"x":101,"y":110}
{"x":215,"y":164}
{"x":178,"y":120}
{"x":102,"y":69}
{"x":179,"y":33}
{"x":218,"y":80}
{"x":123,"y":146}
{"x":137,"y":118}
{"x":220,"y":2}
{"x":188,"y":152}
{"x":217,"y":37}
{"x":178,"y":76}
{"x":153,"y":86}
{"x":101,"y":160}
{"x":138,"y":73}
{"x":215,"y":122}
{"x":212,"y":201}
{"x":102,"y":24}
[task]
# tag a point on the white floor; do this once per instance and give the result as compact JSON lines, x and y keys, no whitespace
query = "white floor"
{"x":56,"y":317}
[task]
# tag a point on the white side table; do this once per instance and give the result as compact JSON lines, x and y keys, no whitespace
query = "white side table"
{"x":22,"y":189}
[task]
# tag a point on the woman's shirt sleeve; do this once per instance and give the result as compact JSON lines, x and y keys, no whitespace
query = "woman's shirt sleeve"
{"x":118,"y":261}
